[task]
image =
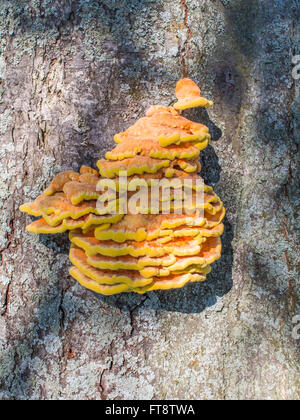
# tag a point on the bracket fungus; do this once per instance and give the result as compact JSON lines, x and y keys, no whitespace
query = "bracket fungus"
{"x":117,"y":249}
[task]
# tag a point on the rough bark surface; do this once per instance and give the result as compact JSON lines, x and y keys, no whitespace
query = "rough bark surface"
{"x":73,"y":73}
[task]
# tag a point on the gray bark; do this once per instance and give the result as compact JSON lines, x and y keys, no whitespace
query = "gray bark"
{"x":73,"y":73}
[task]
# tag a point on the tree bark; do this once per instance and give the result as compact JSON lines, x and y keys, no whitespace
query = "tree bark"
{"x":72,"y":74}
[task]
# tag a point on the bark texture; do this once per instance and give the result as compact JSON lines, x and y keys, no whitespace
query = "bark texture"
{"x":73,"y":73}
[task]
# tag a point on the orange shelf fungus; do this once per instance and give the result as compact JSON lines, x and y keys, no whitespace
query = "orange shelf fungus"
{"x":144,"y":220}
{"x":189,"y":95}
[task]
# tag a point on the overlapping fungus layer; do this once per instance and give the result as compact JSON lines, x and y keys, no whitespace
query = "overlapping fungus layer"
{"x":115,"y":250}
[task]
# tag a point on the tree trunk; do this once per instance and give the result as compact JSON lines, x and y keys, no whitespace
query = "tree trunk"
{"x":72,"y":74}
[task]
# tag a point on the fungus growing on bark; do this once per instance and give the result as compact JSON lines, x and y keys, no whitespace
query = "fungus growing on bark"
{"x":162,"y":245}
{"x":189,"y":95}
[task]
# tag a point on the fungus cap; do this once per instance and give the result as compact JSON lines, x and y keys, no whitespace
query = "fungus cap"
{"x":189,"y":95}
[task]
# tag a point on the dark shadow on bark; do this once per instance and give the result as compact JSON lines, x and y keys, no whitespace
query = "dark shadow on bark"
{"x":250,"y":26}
{"x":58,"y":242}
{"x":210,"y":168}
{"x":200,"y":115}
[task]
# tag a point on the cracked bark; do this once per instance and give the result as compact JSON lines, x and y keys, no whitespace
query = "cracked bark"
{"x":72,"y":74}
{"x":185,"y":48}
